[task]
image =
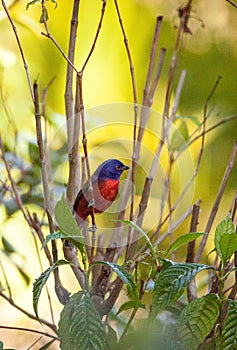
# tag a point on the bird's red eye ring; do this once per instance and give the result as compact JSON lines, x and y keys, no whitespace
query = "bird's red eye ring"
{"x":118,"y":167}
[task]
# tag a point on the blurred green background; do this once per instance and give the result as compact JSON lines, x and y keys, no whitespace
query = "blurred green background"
{"x":210,"y":51}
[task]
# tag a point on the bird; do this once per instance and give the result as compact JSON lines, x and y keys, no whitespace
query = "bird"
{"x":105,"y":185}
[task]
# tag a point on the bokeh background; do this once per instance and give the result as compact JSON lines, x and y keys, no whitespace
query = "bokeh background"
{"x":210,"y":51}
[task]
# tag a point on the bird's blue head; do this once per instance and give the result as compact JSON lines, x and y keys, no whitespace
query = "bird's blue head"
{"x":110,"y":169}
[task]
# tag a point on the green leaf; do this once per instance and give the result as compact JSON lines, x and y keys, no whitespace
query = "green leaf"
{"x":23,"y":274}
{"x":228,"y":245}
{"x":197,"y":320}
{"x":111,"y":338}
{"x":67,"y":223}
{"x":122,"y":273}
{"x":140,"y":230}
{"x":44,"y":15}
{"x":131,"y":304}
{"x":46,"y":346}
{"x":226,"y":227}
{"x":31,"y":3}
{"x":171,"y":282}
{"x":192,"y":118}
{"x":229,"y":333}
{"x":40,"y":282}
{"x":65,"y":319}
{"x":55,"y":2}
{"x":80,"y":326}
{"x":8,"y":246}
{"x":60,"y":235}
{"x":182,"y":240}
{"x":179,"y":137}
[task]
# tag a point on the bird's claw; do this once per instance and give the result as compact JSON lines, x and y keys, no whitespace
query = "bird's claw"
{"x":92,"y":229}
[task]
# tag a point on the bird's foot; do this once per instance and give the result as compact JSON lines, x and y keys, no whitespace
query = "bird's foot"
{"x":92,"y":229}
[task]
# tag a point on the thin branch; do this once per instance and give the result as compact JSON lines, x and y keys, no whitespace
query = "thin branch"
{"x":232,"y":3}
{"x":167,"y":233}
{"x":49,"y":36}
{"x":33,"y":317}
{"x":30,"y":330}
{"x":15,"y":193}
{"x":85,"y":150}
{"x":215,"y":207}
{"x":20,"y":48}
{"x":135,"y":104}
{"x":6,"y":280}
{"x":41,"y":269}
{"x":184,"y":14}
{"x":199,"y":157}
{"x":47,"y":199}
{"x":68,"y":97}
{"x":222,"y":121}
{"x":73,"y":179}
{"x":96,"y":36}
{"x":191,"y":287}
{"x":61,"y":292}
{"x":46,"y":148}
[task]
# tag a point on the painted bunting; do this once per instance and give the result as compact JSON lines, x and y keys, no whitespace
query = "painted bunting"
{"x":105,"y":183}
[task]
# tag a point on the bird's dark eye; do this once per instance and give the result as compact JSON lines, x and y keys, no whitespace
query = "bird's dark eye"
{"x":118,"y":167}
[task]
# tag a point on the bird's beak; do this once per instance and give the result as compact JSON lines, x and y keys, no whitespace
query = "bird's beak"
{"x":125,"y":167}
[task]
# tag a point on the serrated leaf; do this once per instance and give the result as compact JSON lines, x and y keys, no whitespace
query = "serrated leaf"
{"x":67,"y":223}
{"x":84,"y":329}
{"x":226,"y":227}
{"x":123,"y":274}
{"x":60,"y":235}
{"x":65,"y":319}
{"x":143,"y":233}
{"x":40,"y":282}
{"x":229,"y":333}
{"x":171,"y":282}
{"x":182,"y":240}
{"x":111,"y":338}
{"x":197,"y":320}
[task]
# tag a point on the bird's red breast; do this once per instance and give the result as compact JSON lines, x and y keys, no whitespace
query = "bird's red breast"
{"x":105,"y":185}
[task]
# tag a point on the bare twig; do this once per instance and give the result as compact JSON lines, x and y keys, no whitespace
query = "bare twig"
{"x":135,"y":104}
{"x":73,"y":179}
{"x":198,"y":161}
{"x":6,"y":280}
{"x":184,"y":14}
{"x":85,"y":150}
{"x":46,"y":148}
{"x":15,"y":193}
{"x":61,"y":292}
{"x":96,"y":36}
{"x":33,"y":317}
{"x":232,"y":3}
{"x":215,"y":207}
{"x":191,"y":287}
{"x":30,"y":330}
{"x":20,"y":48}
{"x":70,"y":254}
